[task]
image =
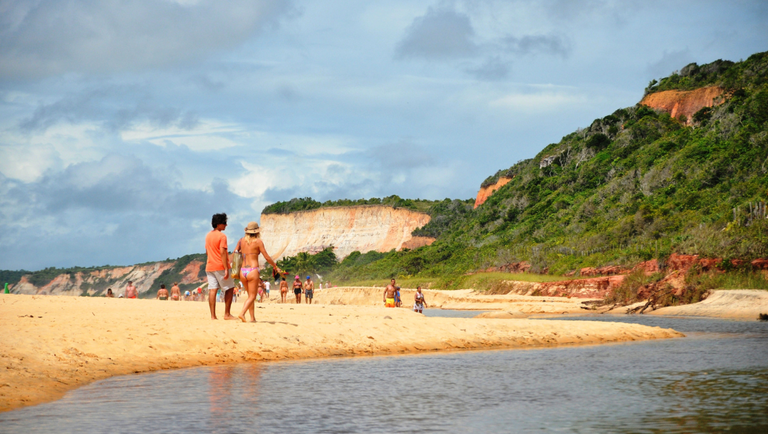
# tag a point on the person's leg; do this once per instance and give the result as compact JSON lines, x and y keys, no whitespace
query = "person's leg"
{"x":228,"y":294}
{"x":250,"y":285}
{"x":212,"y":302}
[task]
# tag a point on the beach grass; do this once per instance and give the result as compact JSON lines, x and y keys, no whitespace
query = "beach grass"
{"x":730,"y":280}
{"x":478,"y":281}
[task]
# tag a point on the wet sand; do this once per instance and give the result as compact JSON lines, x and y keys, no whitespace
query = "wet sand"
{"x":54,"y":344}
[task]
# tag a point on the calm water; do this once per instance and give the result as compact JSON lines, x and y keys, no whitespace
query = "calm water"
{"x":712,"y":381}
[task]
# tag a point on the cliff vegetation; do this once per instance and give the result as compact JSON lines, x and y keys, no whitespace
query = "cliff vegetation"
{"x":635,"y":185}
{"x":307,"y":203}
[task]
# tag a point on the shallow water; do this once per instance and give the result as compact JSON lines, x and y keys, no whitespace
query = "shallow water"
{"x":716,"y":379}
{"x":452,"y":313}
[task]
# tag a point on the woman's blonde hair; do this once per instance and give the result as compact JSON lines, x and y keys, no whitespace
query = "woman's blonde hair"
{"x":250,"y":237}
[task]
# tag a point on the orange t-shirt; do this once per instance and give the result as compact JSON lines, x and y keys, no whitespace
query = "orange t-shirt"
{"x":214,"y":241}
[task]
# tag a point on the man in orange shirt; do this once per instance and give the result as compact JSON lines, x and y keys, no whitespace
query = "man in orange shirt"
{"x":217,"y":266}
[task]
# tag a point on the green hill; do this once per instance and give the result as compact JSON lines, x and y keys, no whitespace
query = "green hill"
{"x":634,"y":185}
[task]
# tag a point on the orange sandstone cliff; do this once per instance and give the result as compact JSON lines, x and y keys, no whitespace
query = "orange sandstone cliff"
{"x":486,"y":192}
{"x":684,"y":102}
{"x":355,"y":228}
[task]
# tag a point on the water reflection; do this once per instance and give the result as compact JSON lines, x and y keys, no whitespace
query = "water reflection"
{"x":230,"y":387}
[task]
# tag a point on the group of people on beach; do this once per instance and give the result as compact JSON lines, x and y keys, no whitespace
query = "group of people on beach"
{"x":392,"y":297}
{"x":218,"y":270}
{"x":221,"y":275}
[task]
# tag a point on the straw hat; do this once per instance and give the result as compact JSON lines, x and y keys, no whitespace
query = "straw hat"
{"x":252,"y":228}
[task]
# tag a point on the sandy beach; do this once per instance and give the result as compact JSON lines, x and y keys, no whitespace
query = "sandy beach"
{"x":461,"y":299}
{"x":54,"y":344}
{"x":733,"y":304}
{"x":739,"y":304}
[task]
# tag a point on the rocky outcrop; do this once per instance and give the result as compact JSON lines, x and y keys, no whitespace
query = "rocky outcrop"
{"x":610,"y":270}
{"x":486,"y":192}
{"x":356,"y":228}
{"x":596,"y":287}
{"x":684,"y":102}
{"x":547,"y":161}
{"x":513,"y":267}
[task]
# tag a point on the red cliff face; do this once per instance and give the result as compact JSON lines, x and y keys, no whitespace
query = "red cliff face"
{"x":486,"y":192}
{"x":684,"y":102}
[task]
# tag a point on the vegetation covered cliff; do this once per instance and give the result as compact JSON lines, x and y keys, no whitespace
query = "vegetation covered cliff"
{"x":188,"y":271}
{"x":636,"y":184}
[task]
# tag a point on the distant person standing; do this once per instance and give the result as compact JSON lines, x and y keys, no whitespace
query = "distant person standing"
{"x":309,"y":290}
{"x":389,"y":294}
{"x":266,"y":287}
{"x":162,"y":293}
{"x":217,"y":266}
{"x":398,"y":300}
{"x":131,"y":291}
{"x":297,"y":289}
{"x":419,"y":302}
{"x":109,"y":293}
{"x":175,"y":292}
{"x":283,"y":289}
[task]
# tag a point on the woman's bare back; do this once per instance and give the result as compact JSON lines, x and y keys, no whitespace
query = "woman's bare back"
{"x":250,"y":251}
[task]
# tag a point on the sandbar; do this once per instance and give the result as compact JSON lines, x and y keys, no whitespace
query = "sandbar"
{"x":460,"y":299}
{"x":739,"y":304}
{"x":52,"y":344}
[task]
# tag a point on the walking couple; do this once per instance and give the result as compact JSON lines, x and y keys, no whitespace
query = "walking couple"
{"x":218,"y":267}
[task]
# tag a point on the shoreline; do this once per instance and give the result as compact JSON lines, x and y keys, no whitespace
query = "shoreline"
{"x":733,"y":304}
{"x":55,"y":344}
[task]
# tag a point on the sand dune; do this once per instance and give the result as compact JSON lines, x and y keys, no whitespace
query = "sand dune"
{"x":54,"y":344}
{"x":744,"y":304}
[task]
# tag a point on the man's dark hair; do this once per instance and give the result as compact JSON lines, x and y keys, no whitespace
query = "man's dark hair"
{"x":218,"y":219}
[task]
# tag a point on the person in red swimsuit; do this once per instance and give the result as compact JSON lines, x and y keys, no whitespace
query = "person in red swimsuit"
{"x":131,"y":291}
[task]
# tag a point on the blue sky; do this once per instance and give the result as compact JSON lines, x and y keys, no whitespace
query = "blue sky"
{"x":125,"y":125}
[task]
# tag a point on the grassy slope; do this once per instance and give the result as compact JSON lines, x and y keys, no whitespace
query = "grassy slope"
{"x":634,"y":185}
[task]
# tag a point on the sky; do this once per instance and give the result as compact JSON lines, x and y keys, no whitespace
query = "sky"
{"x":125,"y":125}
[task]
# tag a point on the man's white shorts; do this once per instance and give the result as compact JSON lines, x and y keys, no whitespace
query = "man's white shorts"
{"x":216,"y":280}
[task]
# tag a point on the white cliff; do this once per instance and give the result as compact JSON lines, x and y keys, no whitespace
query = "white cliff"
{"x":347,"y":229}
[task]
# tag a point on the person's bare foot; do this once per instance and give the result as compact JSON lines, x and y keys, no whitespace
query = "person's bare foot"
{"x":213,"y":317}
{"x":253,"y":320}
{"x":242,"y":318}
{"x":229,"y":317}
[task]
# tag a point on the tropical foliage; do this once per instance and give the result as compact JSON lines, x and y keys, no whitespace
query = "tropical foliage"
{"x":634,"y":185}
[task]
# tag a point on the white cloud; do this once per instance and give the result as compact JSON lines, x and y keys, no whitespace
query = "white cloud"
{"x":207,"y":135}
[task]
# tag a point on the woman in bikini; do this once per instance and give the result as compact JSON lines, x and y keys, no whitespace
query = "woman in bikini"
{"x":283,"y":290}
{"x":251,"y":247}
